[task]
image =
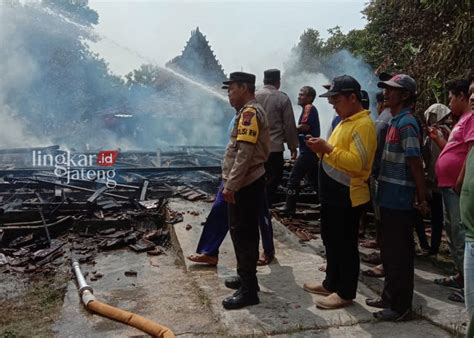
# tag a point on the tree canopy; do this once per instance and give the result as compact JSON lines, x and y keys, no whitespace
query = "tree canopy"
{"x":430,"y":40}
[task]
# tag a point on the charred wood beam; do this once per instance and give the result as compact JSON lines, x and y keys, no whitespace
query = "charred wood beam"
{"x":29,"y":150}
{"x":89,"y":182}
{"x":40,"y":198}
{"x":208,"y":175}
{"x":96,"y":195}
{"x":71,"y":205}
{"x":26,"y":225}
{"x":217,"y":156}
{"x":81,"y":196}
{"x":73,"y":187}
{"x":144,"y":190}
{"x":30,"y":215}
{"x":45,"y":226}
{"x":128,"y":164}
{"x":143,"y":170}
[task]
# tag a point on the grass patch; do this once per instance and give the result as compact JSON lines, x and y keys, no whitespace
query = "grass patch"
{"x":34,"y":312}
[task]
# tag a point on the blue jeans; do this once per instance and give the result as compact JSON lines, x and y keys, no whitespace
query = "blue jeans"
{"x":217,"y":225}
{"x":454,"y":228}
{"x":469,"y":283}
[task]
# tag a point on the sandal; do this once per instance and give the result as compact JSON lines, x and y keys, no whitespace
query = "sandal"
{"x":457,"y":296}
{"x":370,"y":244}
{"x":448,"y":281}
{"x":373,"y":258}
{"x":265,"y":259}
{"x":201,"y":258}
{"x":376,"y":272}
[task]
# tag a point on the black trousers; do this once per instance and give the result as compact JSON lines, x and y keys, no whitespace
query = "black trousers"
{"x":436,"y":206}
{"x":420,"y":231}
{"x":243,"y":221}
{"x":274,"y":171}
{"x":339,"y":231}
{"x":398,"y":254}
{"x":306,"y":164}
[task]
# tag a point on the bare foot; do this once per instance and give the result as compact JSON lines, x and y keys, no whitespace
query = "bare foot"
{"x":201,"y":258}
{"x":376,"y":272}
{"x":264,"y":259}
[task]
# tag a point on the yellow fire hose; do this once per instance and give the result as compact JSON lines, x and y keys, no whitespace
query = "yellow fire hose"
{"x":131,"y":319}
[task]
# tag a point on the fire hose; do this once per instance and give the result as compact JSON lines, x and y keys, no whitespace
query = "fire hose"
{"x":131,"y":319}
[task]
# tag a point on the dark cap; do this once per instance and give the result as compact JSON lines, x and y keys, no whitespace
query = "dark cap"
{"x":364,"y":99}
{"x":400,"y":81}
{"x":341,"y":85}
{"x":271,"y":75}
{"x":240,"y":77}
{"x":384,"y":76}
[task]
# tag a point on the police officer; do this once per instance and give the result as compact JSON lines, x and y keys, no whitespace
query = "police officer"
{"x":282,"y":128}
{"x":244,"y":183}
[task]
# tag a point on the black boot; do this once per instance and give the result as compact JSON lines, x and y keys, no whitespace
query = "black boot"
{"x":234,"y":283}
{"x":240,"y":299}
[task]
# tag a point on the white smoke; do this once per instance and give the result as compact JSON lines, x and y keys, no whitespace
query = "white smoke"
{"x":13,"y":133}
{"x":340,"y":63}
{"x":17,"y":71}
{"x":292,"y":85}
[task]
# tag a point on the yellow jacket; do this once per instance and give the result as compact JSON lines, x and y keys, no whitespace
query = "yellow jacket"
{"x":354,"y":141}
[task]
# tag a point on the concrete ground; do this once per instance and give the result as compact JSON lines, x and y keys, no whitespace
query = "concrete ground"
{"x":162,"y":291}
{"x":187,"y":297}
{"x":287,"y":310}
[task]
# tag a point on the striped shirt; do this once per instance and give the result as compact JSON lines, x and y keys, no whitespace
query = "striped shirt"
{"x":396,"y":183}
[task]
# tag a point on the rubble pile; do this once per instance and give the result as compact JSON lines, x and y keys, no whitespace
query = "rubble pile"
{"x":305,"y":222}
{"x":45,"y":218}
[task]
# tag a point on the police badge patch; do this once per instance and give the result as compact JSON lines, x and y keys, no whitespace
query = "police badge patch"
{"x":247,"y":117}
{"x":247,"y":129}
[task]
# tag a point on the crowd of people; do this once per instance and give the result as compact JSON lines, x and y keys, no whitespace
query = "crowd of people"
{"x":404,"y":167}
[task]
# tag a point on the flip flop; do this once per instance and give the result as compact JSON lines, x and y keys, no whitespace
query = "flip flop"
{"x":370,"y":244}
{"x":375,"y":272}
{"x":373,"y":258}
{"x":205,"y":259}
{"x":457,"y":296}
{"x":265,"y":260}
{"x":448,"y":281}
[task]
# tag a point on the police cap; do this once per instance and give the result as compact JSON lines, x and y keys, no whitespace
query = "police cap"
{"x":241,"y":77}
{"x":271,"y":75}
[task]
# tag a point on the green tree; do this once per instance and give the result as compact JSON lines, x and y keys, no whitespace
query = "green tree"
{"x":76,"y":10}
{"x":429,"y":39}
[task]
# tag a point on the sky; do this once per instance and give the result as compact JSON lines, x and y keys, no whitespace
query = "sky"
{"x":245,"y":35}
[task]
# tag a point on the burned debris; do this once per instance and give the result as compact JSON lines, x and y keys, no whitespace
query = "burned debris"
{"x":46,"y":218}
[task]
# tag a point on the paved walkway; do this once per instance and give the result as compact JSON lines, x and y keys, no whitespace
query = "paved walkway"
{"x":286,"y":309}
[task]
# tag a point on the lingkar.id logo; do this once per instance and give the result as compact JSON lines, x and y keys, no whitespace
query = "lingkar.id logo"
{"x":80,"y":166}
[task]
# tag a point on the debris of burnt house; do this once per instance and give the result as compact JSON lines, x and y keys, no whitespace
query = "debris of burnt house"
{"x":198,"y":61}
{"x":45,"y":218}
{"x":305,"y":222}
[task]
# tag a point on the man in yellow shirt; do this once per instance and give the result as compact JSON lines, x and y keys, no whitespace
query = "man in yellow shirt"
{"x":345,"y":167}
